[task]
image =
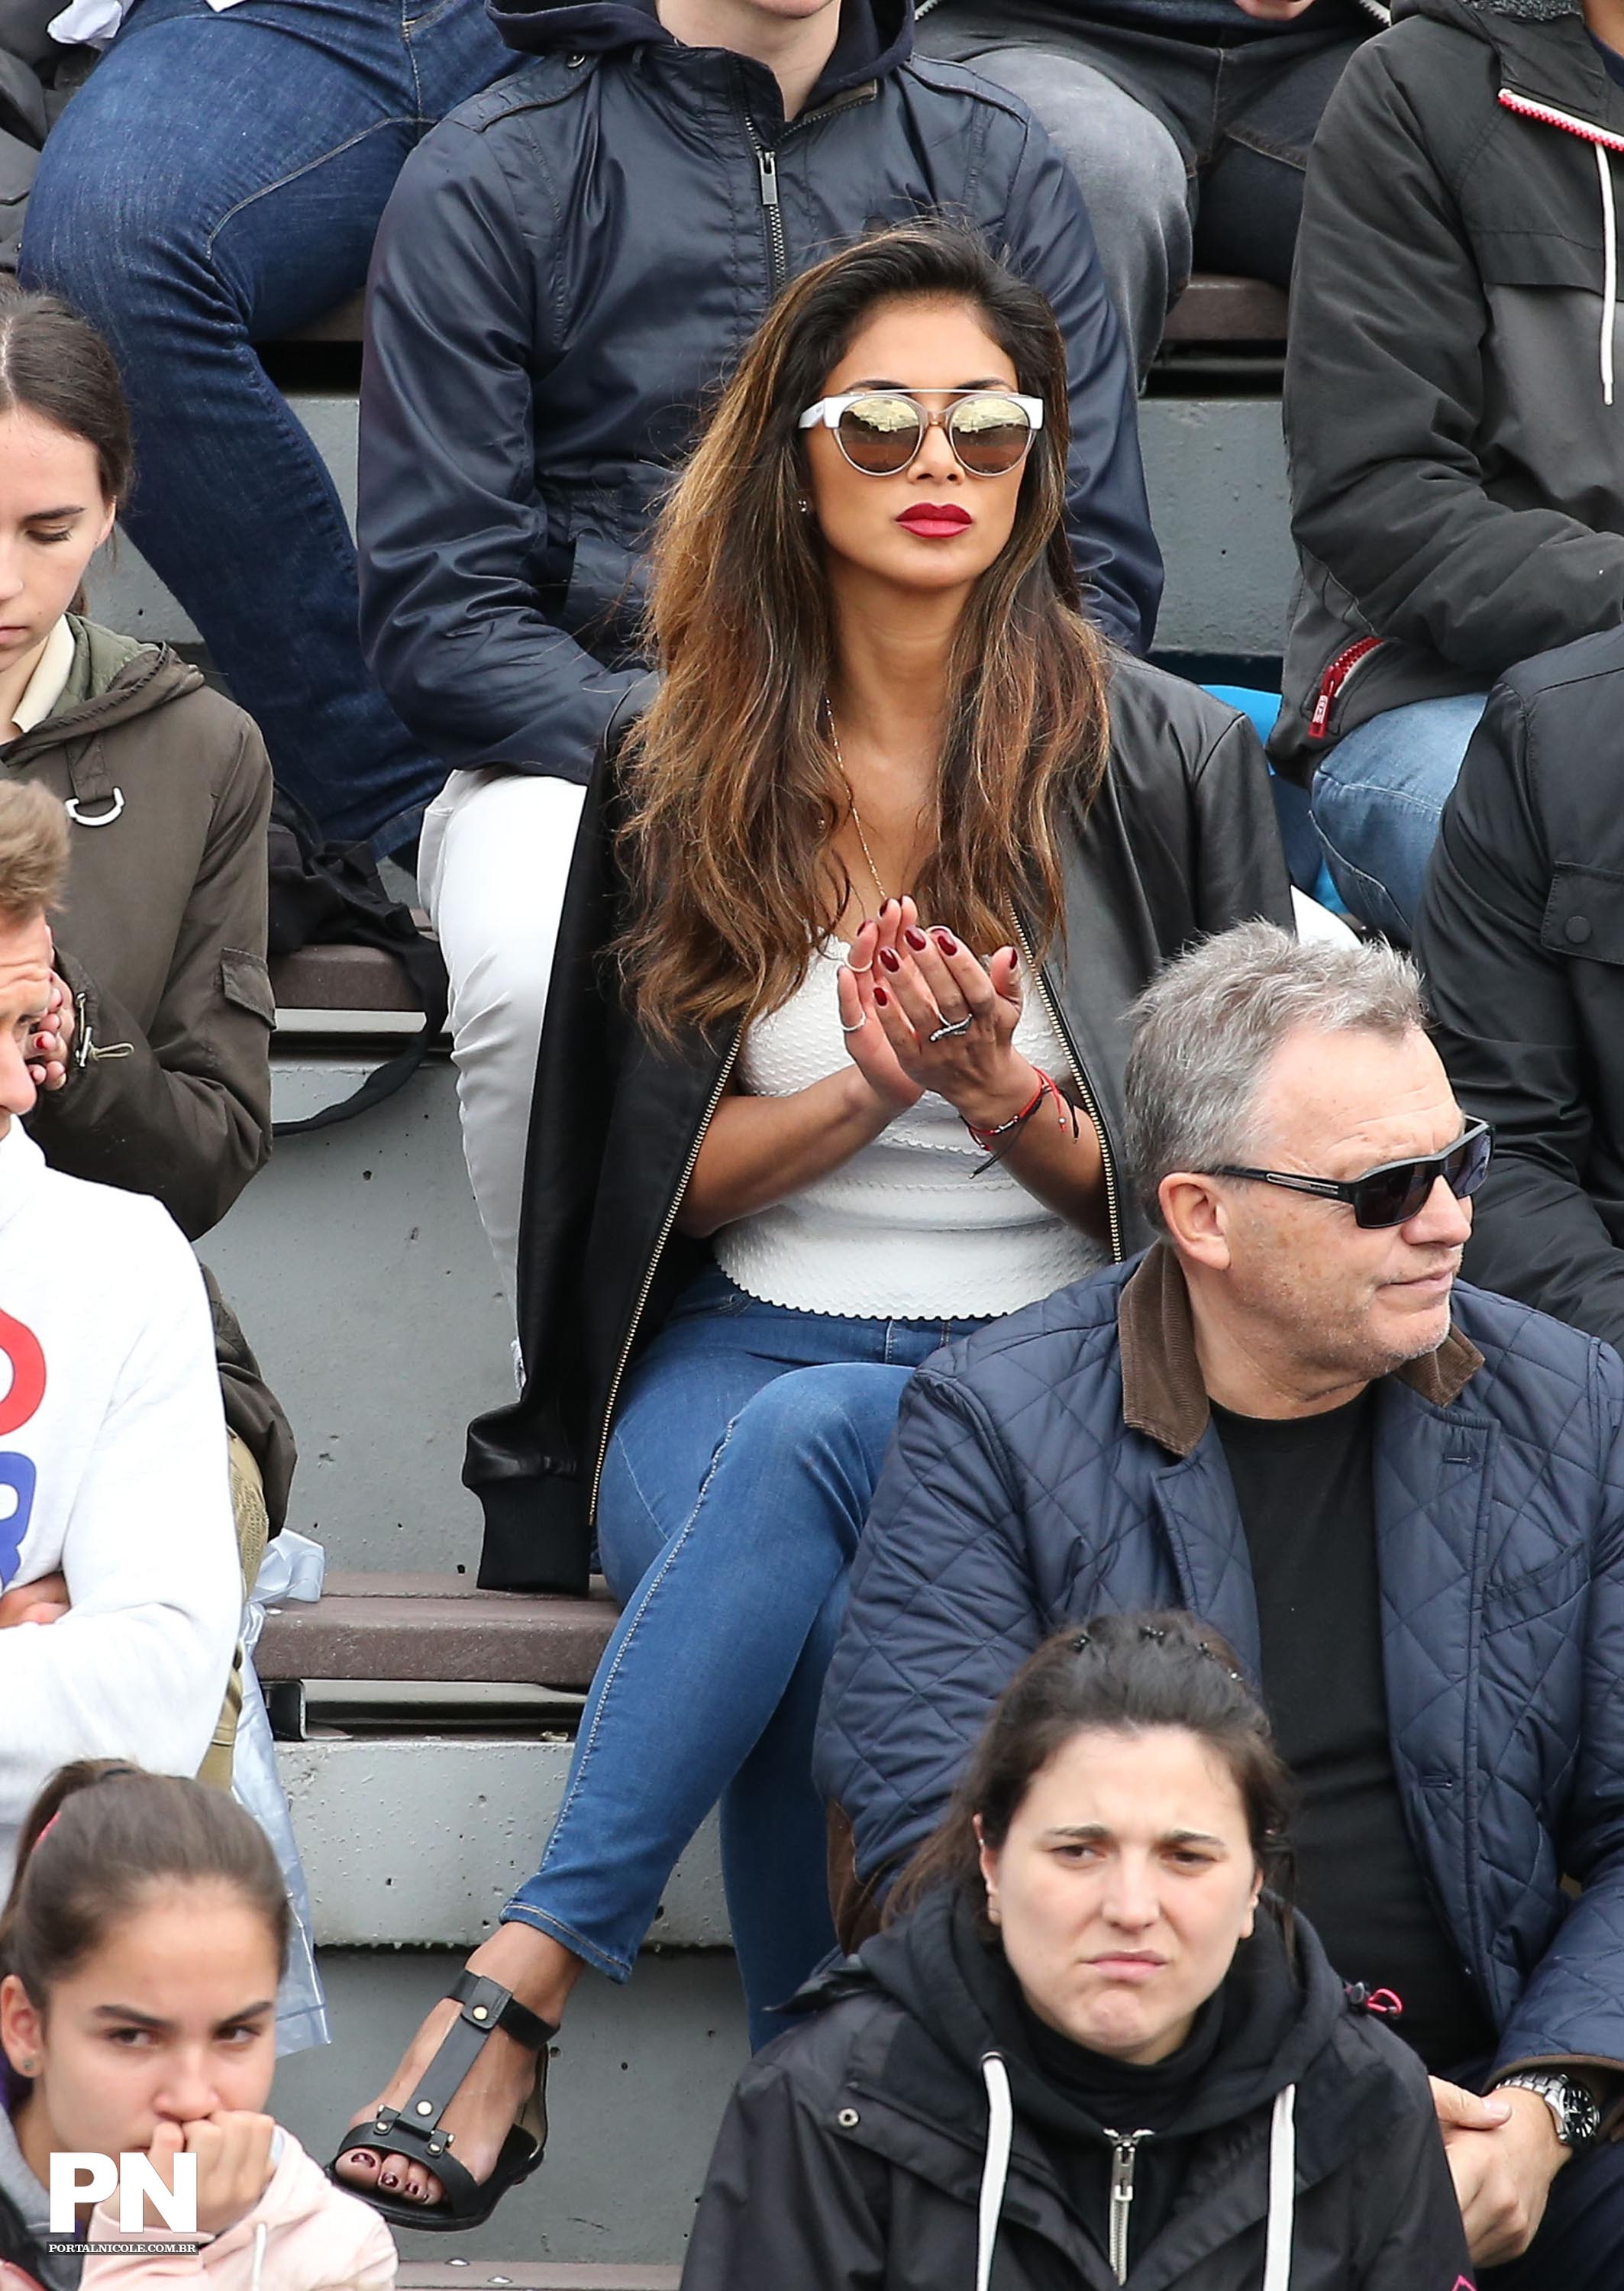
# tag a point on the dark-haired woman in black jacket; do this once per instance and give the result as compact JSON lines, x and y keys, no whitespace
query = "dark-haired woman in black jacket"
{"x":1089,"y":2051}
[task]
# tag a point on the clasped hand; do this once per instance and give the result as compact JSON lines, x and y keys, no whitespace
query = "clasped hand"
{"x":43,"y":1601}
{"x":234,"y":2167}
{"x":1503,"y":2154}
{"x":901,"y":985}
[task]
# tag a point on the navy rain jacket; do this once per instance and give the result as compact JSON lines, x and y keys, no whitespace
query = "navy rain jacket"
{"x":569,"y":267}
{"x":1025,"y":1491}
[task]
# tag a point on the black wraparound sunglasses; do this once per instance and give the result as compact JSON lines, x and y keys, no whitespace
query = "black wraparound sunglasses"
{"x":1397,"y":1191}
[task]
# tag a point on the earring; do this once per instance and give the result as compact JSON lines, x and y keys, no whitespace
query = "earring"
{"x":803,"y":505}
{"x":26,"y":2068}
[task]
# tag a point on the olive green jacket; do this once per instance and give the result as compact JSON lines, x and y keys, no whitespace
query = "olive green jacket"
{"x":160,"y":937}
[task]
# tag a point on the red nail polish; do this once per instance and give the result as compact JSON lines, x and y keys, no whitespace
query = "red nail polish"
{"x":891,"y":959}
{"x":948,"y":944}
{"x":886,"y":909}
{"x":916,"y":939}
{"x":882,"y":998}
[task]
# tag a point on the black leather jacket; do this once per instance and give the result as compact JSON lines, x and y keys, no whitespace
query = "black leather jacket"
{"x":568,"y":267}
{"x":1180,"y":841}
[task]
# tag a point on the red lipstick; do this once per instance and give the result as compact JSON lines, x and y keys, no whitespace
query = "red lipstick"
{"x":935,"y":520}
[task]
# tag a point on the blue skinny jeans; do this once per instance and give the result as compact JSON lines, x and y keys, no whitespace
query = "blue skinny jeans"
{"x":216,"y":182}
{"x":737,"y":1483}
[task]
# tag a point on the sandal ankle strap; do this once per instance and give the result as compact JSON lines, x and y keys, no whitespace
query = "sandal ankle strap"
{"x":487,"y":2004}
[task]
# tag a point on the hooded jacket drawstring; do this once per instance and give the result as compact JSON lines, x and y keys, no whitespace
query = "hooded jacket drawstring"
{"x":260,"y":2235}
{"x":1283,"y":2192}
{"x":996,"y":2169}
{"x":1000,"y":2134}
{"x":1610,"y":273}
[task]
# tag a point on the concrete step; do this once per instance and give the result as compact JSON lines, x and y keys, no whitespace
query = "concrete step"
{"x":362,"y":1275}
{"x":1215,"y":466}
{"x":637,"y":2087}
{"x":417,"y":1839}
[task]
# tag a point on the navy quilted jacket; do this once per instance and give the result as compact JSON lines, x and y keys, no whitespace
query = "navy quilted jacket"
{"x":1016,"y":1498}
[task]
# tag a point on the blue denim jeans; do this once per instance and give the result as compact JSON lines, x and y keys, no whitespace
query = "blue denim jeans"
{"x":737,"y":1483}
{"x":1581,"y":2234}
{"x":218,"y":181}
{"x":1376,"y":801}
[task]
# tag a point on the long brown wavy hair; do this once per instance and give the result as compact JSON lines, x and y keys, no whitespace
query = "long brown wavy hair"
{"x":732,"y":790}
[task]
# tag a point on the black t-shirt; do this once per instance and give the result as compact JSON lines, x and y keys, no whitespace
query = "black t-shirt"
{"x":1304,"y":1485}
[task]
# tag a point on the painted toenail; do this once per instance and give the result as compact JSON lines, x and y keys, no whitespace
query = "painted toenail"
{"x":388,"y":2181}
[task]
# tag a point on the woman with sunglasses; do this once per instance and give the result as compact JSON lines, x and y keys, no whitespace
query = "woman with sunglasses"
{"x":876,"y":876}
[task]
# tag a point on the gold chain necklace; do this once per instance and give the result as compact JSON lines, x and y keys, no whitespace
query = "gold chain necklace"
{"x":857,"y":816}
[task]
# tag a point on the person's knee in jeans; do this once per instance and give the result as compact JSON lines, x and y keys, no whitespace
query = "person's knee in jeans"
{"x":114,"y":233}
{"x":494,"y":857}
{"x":1376,"y":801}
{"x":1131,"y":173}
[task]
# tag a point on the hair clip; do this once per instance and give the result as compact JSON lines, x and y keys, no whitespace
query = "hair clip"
{"x":1081,"y":1642}
{"x":1154,"y":1635}
{"x":1212,"y":1655}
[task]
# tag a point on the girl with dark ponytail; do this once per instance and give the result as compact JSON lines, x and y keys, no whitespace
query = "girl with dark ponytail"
{"x":1089,"y":2048}
{"x":140,"y":1946}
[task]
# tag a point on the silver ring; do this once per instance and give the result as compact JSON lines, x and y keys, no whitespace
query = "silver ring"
{"x":960,"y":1026}
{"x":857,"y":1029}
{"x":862,"y":968}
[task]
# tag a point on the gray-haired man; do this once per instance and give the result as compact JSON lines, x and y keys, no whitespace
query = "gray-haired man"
{"x":1401,"y":1498}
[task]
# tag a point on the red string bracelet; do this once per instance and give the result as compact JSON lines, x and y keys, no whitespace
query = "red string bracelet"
{"x":988,"y":1139}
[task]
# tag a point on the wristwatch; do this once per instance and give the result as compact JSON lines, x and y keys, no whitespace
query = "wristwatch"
{"x":1579,"y":2119}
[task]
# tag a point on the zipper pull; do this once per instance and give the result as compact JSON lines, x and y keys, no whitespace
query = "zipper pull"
{"x":1124,"y":2150}
{"x":1316,"y":722}
{"x":767,"y":162}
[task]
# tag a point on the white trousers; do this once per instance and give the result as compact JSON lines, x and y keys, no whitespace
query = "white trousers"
{"x":495,"y":852}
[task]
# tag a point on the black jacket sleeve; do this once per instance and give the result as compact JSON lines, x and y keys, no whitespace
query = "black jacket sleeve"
{"x":1385,"y":400}
{"x":181,"y":1110}
{"x":786,"y":2205}
{"x":1412,"y":2238}
{"x":1240,"y":873}
{"x":452,"y":531}
{"x":1050,"y":242}
{"x":1513,"y":1037}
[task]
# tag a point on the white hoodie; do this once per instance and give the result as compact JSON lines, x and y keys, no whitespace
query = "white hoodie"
{"x":112,"y":1472}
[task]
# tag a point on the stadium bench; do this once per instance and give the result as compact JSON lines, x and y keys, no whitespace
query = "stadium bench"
{"x":436,"y":1630}
{"x":340,"y":978}
{"x":1214,"y":308}
{"x":479,"y":2275}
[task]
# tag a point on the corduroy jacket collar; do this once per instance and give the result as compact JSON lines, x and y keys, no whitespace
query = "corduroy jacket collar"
{"x":1162,"y":1393}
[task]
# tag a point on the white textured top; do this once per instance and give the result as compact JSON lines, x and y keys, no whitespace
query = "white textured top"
{"x":903,"y":1231}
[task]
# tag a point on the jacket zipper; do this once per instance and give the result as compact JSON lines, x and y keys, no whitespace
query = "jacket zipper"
{"x":1336,"y":676}
{"x":767,"y":168}
{"x":1124,"y":2154}
{"x":1090,"y":1104}
{"x":653,"y":1266}
{"x":767,"y":161}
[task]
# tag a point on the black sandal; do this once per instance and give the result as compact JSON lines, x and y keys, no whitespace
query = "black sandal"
{"x":413,"y":2130}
